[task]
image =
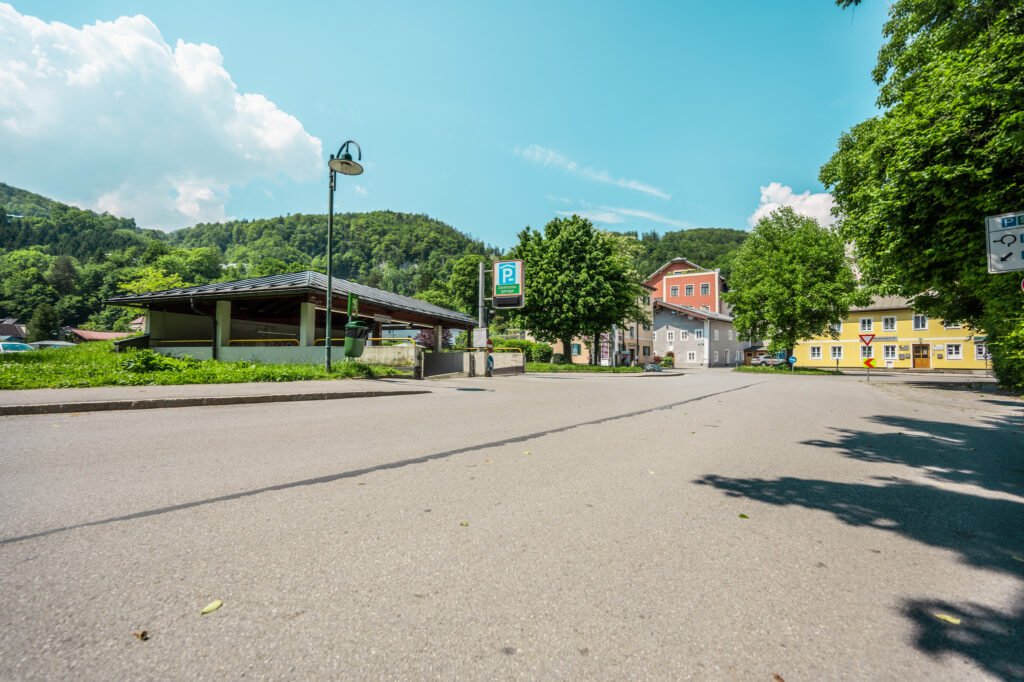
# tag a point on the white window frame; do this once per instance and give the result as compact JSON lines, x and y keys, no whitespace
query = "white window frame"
{"x":715,"y":357}
{"x":684,"y":334}
{"x":689,"y":290}
{"x":654,"y":335}
{"x":834,"y":355}
{"x":867,"y":352}
{"x":922,"y":325}
{"x":837,"y":328}
{"x":705,"y":289}
{"x":889,"y":324}
{"x":980,"y":350}
{"x":952,"y":325}
{"x":670,"y":337}
{"x":674,"y":291}
{"x":867,"y":324}
{"x":959,"y":355}
{"x":730,"y":334}
{"x":698,"y":334}
{"x":716,"y":335}
{"x":816,"y":353}
{"x":691,"y":356}
{"x":889,"y":351}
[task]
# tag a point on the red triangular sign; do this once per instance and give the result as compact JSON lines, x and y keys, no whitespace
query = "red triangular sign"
{"x":866,"y":339}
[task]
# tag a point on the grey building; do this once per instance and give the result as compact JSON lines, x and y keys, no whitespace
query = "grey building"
{"x":696,"y":338}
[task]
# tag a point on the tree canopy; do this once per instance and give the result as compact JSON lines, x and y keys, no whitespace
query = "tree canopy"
{"x":791,"y":281}
{"x":914,"y":184}
{"x":579,"y":281}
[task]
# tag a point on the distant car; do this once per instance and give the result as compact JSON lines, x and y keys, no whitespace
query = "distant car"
{"x":12,"y":347}
{"x":49,"y":345}
{"x":766,"y":361}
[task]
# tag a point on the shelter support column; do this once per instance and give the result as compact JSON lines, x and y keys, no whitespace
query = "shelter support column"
{"x":437,"y":338}
{"x":307,"y":324}
{"x":223,"y":323}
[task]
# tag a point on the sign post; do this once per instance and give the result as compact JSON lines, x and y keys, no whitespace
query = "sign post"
{"x":866,"y":339}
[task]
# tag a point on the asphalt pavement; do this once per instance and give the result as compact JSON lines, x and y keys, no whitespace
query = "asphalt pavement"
{"x":711,"y":525}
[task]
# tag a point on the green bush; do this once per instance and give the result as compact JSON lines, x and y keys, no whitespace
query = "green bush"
{"x":668,"y":361}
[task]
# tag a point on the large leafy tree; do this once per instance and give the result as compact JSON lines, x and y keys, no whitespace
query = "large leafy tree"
{"x":913,"y":185}
{"x":791,"y":280}
{"x":579,"y":281}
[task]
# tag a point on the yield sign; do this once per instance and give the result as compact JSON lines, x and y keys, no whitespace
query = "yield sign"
{"x":866,"y":339}
{"x":869,"y":363}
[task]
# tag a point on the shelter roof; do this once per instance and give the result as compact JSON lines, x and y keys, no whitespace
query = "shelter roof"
{"x":305,"y":282}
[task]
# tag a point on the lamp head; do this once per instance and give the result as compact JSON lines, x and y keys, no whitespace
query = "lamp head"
{"x":342,"y":162}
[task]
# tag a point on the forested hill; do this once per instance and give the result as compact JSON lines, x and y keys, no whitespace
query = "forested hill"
{"x":399,"y":252}
{"x":66,"y":261}
{"x":33,"y":220}
{"x":710,"y":247}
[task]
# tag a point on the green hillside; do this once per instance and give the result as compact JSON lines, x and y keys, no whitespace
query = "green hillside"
{"x":62,"y":262}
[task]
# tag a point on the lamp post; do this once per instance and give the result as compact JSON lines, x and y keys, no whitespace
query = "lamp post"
{"x":340,"y":163}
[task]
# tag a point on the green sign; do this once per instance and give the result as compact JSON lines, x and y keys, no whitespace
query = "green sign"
{"x":507,"y":289}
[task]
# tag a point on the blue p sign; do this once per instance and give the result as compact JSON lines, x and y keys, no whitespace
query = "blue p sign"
{"x":507,"y":273}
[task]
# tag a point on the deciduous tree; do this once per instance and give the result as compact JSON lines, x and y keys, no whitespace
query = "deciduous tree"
{"x":791,"y":280}
{"x":913,"y":185}
{"x":579,"y":281}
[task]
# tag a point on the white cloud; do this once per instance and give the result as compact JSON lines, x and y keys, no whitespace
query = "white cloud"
{"x":548,"y":157}
{"x":360,"y":190}
{"x":609,"y":215}
{"x":777,"y":195}
{"x":112,"y":117}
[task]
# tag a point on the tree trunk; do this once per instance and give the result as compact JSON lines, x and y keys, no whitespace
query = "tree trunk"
{"x":567,"y":350}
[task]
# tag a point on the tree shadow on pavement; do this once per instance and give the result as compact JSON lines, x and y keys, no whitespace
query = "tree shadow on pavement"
{"x":985,"y":529}
{"x":984,"y":532}
{"x":989,"y":456}
{"x":991,"y":638}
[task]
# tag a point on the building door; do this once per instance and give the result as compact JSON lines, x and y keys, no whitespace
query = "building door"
{"x":921,"y":359}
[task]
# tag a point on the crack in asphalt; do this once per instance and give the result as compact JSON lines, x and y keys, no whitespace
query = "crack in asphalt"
{"x":330,"y":478}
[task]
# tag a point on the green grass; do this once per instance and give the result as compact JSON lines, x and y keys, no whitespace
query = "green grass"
{"x":95,"y":364}
{"x":561,"y":367}
{"x":781,"y":369}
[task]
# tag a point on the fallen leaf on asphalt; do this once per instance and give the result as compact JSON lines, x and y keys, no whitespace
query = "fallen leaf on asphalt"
{"x":141,"y":634}
{"x":526,"y":452}
{"x":777,"y":678}
{"x":464,"y":524}
{"x":648,"y":471}
{"x":211,"y":607}
{"x":744,"y":516}
{"x":948,"y":618}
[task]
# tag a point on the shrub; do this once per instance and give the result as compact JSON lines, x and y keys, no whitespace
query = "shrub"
{"x":668,"y":361}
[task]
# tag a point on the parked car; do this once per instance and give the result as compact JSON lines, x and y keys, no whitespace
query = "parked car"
{"x":12,"y":347}
{"x":766,"y":361}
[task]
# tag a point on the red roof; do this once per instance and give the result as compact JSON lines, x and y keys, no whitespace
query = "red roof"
{"x":86,"y":335}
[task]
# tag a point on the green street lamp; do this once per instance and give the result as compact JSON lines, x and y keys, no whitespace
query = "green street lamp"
{"x":340,"y":163}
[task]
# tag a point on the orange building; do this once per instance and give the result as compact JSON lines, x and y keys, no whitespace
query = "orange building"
{"x":682,"y":282}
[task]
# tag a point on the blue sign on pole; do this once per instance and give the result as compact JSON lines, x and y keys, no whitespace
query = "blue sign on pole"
{"x":792,"y":359}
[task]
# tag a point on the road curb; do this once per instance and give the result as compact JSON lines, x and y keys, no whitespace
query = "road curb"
{"x":203,"y":401}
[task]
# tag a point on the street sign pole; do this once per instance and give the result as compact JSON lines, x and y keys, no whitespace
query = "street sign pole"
{"x":866,"y":339}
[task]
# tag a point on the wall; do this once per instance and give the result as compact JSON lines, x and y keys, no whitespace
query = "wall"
{"x":179,"y":326}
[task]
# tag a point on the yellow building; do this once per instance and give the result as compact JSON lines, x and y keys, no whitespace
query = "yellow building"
{"x":903,"y":339}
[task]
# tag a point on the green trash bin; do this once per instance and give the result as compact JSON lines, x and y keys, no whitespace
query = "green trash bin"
{"x":356,"y":333}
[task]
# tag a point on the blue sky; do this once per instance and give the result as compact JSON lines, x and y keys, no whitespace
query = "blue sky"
{"x":489,"y":116}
